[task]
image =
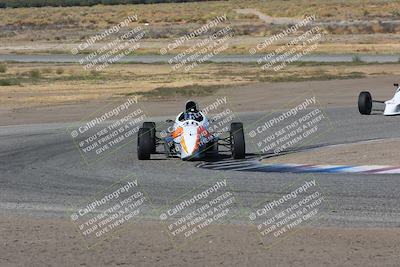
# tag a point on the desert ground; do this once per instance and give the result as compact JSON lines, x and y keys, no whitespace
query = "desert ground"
{"x":44,"y":178}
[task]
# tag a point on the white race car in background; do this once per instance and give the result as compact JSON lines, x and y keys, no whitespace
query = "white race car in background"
{"x":392,"y":106}
{"x":191,"y":137}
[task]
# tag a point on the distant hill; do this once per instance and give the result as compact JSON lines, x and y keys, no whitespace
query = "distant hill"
{"x":42,"y":3}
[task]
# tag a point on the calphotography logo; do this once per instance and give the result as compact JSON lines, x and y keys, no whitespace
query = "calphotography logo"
{"x":110,"y":46}
{"x":105,"y":132}
{"x":303,"y":42}
{"x":283,"y":131}
{"x":200,"y":45}
{"x":192,"y":215}
{"x":276,"y":219}
{"x":110,"y":211}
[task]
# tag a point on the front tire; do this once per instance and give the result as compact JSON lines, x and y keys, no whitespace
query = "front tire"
{"x":144,"y":146}
{"x":238,"y":147}
{"x":152,"y":127}
{"x":365,"y":103}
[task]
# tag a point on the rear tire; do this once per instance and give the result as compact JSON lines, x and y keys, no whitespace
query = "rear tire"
{"x":152,"y":127}
{"x":238,"y":147}
{"x":365,"y":103}
{"x":144,"y":145}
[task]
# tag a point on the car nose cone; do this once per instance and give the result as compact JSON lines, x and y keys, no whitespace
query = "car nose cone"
{"x":189,"y":141}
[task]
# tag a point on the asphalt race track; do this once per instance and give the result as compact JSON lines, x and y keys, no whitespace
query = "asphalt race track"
{"x":42,"y":173}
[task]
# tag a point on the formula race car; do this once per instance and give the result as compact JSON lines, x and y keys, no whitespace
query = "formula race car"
{"x":190,"y":137}
{"x":392,"y":106}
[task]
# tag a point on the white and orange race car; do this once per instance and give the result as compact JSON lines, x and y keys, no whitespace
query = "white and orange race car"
{"x":190,"y":138}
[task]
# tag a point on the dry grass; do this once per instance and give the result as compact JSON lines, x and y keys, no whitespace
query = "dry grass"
{"x":182,"y":13}
{"x":74,"y":85}
{"x":173,"y":19}
{"x":337,"y":9}
{"x":57,"y":29}
{"x":365,"y":44}
{"x":102,"y":16}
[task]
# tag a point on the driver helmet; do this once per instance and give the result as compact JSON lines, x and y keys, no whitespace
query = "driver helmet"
{"x":191,"y":106}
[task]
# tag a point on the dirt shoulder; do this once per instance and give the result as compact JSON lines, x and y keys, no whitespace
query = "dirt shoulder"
{"x":54,"y":242}
{"x":51,"y":84}
{"x":382,"y":152}
{"x":267,"y":96}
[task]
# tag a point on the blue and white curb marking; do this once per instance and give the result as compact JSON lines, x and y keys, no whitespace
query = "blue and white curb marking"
{"x":258,"y":166}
